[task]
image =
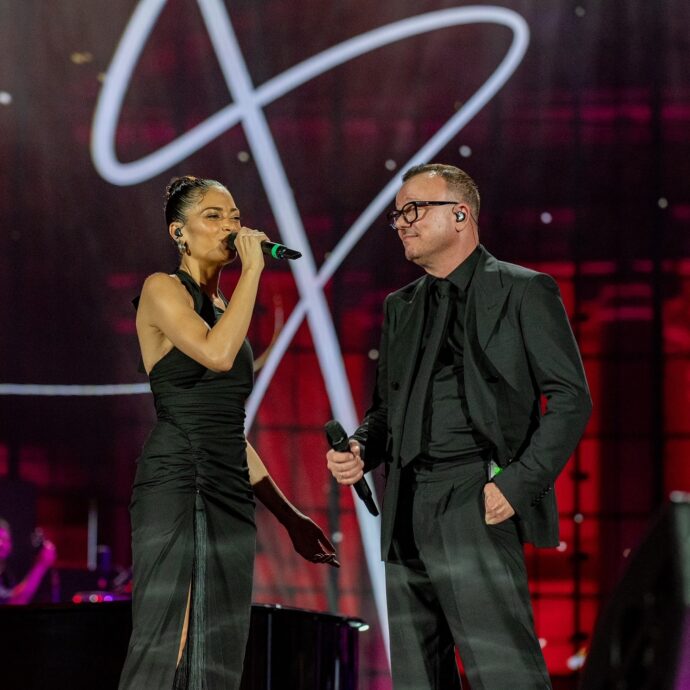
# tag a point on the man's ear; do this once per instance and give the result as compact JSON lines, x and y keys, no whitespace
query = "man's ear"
{"x":462,"y":213}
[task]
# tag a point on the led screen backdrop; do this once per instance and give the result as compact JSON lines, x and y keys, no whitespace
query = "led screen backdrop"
{"x":573,"y":117}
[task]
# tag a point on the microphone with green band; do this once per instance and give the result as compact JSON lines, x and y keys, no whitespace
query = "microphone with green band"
{"x":277,"y":251}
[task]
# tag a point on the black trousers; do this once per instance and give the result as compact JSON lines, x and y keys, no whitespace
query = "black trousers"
{"x":455,"y":581}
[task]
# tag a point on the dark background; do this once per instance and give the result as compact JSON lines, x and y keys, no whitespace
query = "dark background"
{"x":582,"y":160}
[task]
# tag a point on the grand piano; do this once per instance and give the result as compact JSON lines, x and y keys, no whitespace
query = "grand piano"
{"x":83,"y":646}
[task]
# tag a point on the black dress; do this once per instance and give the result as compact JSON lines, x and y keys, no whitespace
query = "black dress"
{"x":192,"y":515}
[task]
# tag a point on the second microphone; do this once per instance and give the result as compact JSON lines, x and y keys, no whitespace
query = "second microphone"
{"x":277,"y":251}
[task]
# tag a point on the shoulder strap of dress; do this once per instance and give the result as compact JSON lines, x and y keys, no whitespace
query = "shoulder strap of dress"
{"x":192,"y":288}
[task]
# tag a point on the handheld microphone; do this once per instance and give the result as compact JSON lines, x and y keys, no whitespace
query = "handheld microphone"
{"x":277,"y":251}
{"x":338,"y":440}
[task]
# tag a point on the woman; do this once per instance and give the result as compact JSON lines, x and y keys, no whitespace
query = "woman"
{"x":192,"y":510}
{"x":23,"y":592}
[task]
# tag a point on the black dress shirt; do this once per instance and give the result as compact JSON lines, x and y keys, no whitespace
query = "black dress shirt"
{"x":448,"y":431}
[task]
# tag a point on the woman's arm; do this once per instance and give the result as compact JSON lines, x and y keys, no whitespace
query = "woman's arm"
{"x":24,"y":592}
{"x":166,"y":308}
{"x":307,"y":537}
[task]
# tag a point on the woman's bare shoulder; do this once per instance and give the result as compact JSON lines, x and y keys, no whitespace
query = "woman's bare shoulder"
{"x":162,"y":285}
{"x":160,"y":281}
{"x":162,"y":293}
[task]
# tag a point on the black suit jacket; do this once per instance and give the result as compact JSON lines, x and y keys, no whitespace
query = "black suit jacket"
{"x":518,"y":347}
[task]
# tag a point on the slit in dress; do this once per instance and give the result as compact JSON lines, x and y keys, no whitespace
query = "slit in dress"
{"x":190,"y":671}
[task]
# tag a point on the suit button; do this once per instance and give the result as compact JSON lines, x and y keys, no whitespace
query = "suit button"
{"x":395,"y":386}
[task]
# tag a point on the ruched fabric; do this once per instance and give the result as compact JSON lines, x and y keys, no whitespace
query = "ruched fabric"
{"x":193,"y":530}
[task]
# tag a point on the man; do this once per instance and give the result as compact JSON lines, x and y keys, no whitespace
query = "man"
{"x":23,"y":592}
{"x":467,"y":352}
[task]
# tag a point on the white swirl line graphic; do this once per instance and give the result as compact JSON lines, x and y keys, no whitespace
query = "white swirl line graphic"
{"x":248,"y":108}
{"x":79,"y":390}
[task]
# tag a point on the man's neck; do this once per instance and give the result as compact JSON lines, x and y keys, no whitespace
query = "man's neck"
{"x":444,"y":266}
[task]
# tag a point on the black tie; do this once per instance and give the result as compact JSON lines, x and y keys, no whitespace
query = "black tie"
{"x":413,"y":428}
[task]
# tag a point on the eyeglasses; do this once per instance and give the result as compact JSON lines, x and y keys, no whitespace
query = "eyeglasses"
{"x":410,"y":211}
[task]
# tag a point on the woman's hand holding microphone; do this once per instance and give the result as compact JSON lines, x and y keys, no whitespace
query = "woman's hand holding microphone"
{"x":247,"y":244}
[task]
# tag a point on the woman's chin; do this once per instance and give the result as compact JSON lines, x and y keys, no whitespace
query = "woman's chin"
{"x":228,"y":257}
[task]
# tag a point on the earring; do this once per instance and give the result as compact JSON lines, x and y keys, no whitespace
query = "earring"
{"x":181,"y":246}
{"x":460,"y":216}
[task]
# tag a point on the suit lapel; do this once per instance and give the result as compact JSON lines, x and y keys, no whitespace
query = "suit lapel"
{"x":489,"y":294}
{"x":486,"y":298}
{"x":404,"y":346}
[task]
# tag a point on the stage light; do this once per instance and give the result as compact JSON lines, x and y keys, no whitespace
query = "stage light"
{"x":358,"y":624}
{"x":243,"y":157}
{"x":579,"y":518}
{"x":81,"y":58}
{"x":465,"y":151}
{"x":546,"y":217}
{"x":5,"y":98}
{"x":577,"y":660}
{"x":580,"y":11}
{"x":391,"y":164}
{"x":337,"y":537}
{"x":663,"y":202}
{"x":373,"y":354}
{"x":562,"y":546}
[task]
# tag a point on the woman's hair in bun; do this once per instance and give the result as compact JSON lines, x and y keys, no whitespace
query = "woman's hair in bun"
{"x":182,"y":193}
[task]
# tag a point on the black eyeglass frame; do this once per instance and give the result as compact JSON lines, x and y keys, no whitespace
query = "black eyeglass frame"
{"x":412,"y":207}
